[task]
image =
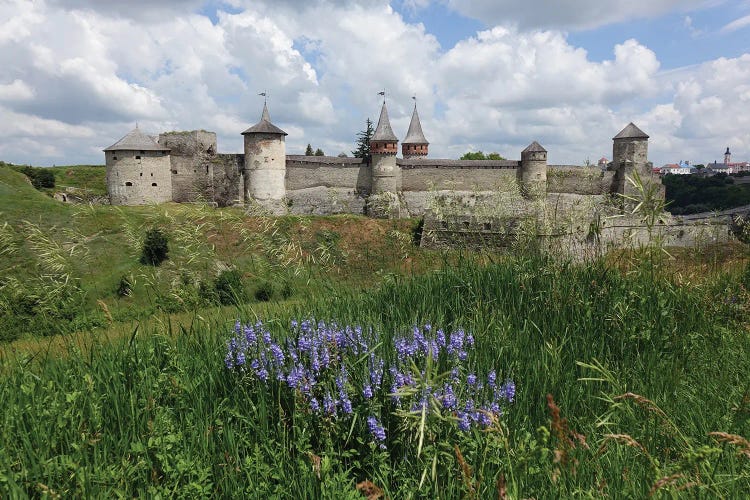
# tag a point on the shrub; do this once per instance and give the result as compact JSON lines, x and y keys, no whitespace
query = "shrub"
{"x":125,"y":287}
{"x":155,"y":248}
{"x":229,"y":288}
{"x":264,"y":292}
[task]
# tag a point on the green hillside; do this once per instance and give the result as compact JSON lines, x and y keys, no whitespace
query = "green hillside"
{"x":70,"y":267}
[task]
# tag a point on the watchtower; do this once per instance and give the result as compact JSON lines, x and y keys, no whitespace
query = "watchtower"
{"x":265,"y":163}
{"x":533,"y":171}
{"x":138,"y":170}
{"x":383,"y":148}
{"x":415,"y":145}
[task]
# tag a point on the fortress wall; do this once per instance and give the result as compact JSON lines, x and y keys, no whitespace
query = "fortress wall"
{"x":320,"y":200}
{"x":328,"y":172}
{"x":457,"y":175}
{"x":577,"y":180}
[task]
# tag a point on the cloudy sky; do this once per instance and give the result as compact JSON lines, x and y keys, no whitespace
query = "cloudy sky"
{"x":489,"y":75}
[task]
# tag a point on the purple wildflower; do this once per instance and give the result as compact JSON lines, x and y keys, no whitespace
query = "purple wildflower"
{"x":376,"y":430}
{"x":471,"y":379}
{"x":492,"y":379}
{"x":508,"y":390}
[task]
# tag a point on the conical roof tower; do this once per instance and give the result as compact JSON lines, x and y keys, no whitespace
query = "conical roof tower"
{"x":264,"y":126}
{"x":415,"y":145}
{"x":136,"y":140}
{"x":384,"y":141}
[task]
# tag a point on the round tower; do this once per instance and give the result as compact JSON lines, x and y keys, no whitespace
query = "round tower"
{"x":138,"y":170}
{"x":533,"y":171}
{"x":383,"y":149}
{"x":629,"y":154}
{"x":414,"y":145}
{"x":265,"y":163}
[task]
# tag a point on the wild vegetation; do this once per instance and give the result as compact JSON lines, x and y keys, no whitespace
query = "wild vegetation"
{"x":382,"y":371}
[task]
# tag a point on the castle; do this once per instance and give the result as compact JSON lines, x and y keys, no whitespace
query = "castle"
{"x":186,"y":167}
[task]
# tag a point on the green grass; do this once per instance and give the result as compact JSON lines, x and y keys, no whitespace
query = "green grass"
{"x":89,"y":178}
{"x":158,"y":413}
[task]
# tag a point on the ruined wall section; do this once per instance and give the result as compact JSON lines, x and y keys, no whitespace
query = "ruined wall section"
{"x":138,"y":177}
{"x":227,"y":179}
{"x":191,"y":153}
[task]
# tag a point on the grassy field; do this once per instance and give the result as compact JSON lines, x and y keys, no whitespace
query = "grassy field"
{"x":472,"y":375}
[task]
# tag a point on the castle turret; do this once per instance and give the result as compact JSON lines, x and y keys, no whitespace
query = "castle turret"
{"x":727,"y":157}
{"x":414,"y":145}
{"x":630,"y":154}
{"x":138,"y":170}
{"x":265,"y":163}
{"x":383,"y":148}
{"x":533,"y":171}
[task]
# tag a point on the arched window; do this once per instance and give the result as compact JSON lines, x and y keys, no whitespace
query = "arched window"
{"x":153,"y":184}
{"x":128,"y":183}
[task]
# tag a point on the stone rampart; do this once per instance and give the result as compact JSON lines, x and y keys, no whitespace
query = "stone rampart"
{"x":578,"y":180}
{"x":304,"y":172}
{"x":457,"y":175}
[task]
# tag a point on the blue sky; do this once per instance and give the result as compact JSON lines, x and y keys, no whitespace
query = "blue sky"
{"x":493,"y":75}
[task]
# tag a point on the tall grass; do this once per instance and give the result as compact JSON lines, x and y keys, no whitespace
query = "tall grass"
{"x":628,"y":385}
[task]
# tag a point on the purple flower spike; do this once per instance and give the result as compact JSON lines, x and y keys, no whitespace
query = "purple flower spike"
{"x":492,"y":379}
{"x":509,"y":390}
{"x":464,"y":423}
{"x":376,"y":430}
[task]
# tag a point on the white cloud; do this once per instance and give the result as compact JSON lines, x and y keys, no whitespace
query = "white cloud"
{"x":17,"y":90}
{"x":737,"y":24}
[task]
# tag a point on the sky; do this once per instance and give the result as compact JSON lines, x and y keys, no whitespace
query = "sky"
{"x":490,"y":75}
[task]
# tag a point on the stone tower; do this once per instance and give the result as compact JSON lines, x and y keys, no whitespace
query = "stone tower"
{"x":414,"y":145}
{"x":630,"y":154}
{"x":533,"y":171}
{"x":383,"y":148}
{"x":265,"y":164}
{"x":727,"y":157}
{"x":138,"y":170}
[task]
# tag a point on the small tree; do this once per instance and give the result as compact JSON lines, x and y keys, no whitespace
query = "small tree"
{"x":363,"y":141}
{"x":155,"y":248}
{"x":309,"y":150}
{"x":319,"y":152}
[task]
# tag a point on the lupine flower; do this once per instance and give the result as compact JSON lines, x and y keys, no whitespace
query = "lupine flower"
{"x":491,"y":379}
{"x":376,"y":430}
{"x":318,"y":356}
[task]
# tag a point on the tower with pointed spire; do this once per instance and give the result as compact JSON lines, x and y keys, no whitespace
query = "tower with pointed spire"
{"x":532,"y":173}
{"x":265,"y":163}
{"x":383,"y":148}
{"x":414,"y":145}
{"x":630,"y":154}
{"x":138,"y":170}
{"x":727,"y":157}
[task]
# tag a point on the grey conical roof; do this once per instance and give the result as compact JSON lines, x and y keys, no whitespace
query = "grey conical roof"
{"x":384,"y":132}
{"x":631,"y":132}
{"x":534,"y":147}
{"x":136,"y":140}
{"x":415,"y":134}
{"x":264,"y":126}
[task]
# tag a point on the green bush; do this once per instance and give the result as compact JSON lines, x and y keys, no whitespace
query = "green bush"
{"x":229,"y":288}
{"x":155,"y":248}
{"x":124,"y":287}
{"x":265,"y":292}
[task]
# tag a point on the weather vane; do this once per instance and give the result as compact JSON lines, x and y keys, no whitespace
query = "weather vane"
{"x":265,"y":96}
{"x":383,"y":94}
